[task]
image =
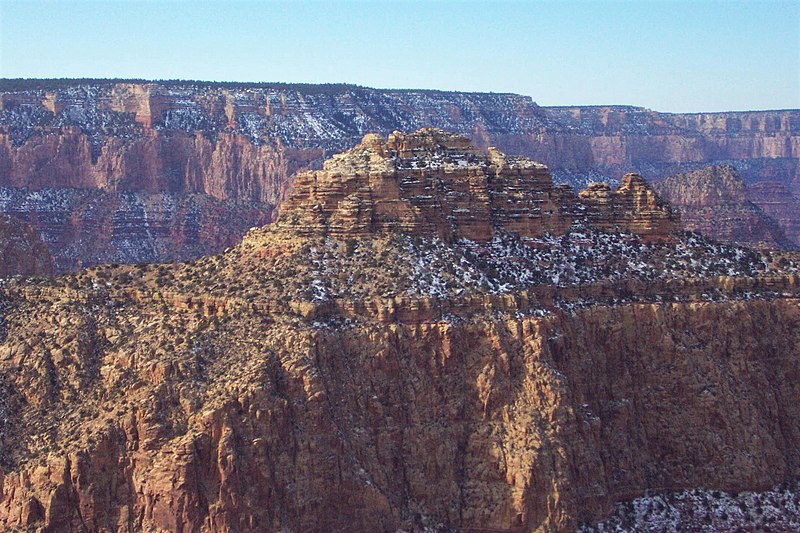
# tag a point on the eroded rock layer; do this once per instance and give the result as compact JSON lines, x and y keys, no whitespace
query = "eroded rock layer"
{"x":435,"y":182}
{"x":87,"y":227}
{"x":385,"y":373}
{"x":715,"y":201}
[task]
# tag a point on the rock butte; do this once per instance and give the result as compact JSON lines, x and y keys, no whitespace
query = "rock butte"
{"x":432,"y":182}
{"x":277,"y":387}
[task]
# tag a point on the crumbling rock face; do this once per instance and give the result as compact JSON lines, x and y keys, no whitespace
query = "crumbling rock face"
{"x":714,"y":201}
{"x":435,"y":182}
{"x":21,"y":250}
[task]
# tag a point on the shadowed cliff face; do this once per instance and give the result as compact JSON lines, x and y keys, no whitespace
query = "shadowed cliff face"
{"x":243,"y":143}
{"x":715,"y":201}
{"x":330,"y":377}
{"x":87,"y":227}
{"x":21,"y":250}
{"x":777,"y":201}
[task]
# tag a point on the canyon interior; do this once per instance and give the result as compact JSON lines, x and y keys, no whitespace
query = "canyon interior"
{"x":429,"y":338}
{"x":137,"y":171}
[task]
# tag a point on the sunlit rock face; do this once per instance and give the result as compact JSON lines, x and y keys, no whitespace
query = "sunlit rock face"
{"x":433,"y":182}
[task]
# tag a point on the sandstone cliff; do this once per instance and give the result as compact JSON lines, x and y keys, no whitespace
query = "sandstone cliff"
{"x":432,"y":182}
{"x":243,"y":142}
{"x":714,"y":201}
{"x":383,"y":377}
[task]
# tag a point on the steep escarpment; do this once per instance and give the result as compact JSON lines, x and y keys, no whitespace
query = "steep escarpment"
{"x":21,"y":250}
{"x":243,"y":142}
{"x":399,"y":373}
{"x":714,"y":201}
{"x":589,"y":142}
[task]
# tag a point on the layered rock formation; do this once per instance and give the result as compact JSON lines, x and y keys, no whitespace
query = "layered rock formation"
{"x":366,"y":375}
{"x":633,"y":206}
{"x":86,"y":227}
{"x":22,"y":251}
{"x":432,"y":182}
{"x":714,"y":201}
{"x":243,"y":142}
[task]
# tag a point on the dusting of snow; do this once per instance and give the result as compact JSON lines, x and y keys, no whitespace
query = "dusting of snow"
{"x":700,"y":510}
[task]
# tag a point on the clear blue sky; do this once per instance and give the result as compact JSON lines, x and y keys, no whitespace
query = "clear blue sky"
{"x":670,"y":56}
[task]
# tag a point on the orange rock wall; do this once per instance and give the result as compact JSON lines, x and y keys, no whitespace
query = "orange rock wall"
{"x":518,"y":424}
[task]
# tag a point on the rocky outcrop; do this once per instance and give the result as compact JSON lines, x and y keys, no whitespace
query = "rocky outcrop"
{"x":427,"y":182}
{"x":714,"y":201}
{"x":633,"y":206}
{"x":22,"y":251}
{"x":432,"y":182}
{"x":243,"y":142}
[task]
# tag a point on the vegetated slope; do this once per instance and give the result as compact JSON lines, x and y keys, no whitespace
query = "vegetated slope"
{"x":522,"y":369}
{"x":21,"y":250}
{"x":714,"y":201}
{"x":242,"y":142}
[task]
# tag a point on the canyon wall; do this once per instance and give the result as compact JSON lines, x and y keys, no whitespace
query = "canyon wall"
{"x":410,"y":370}
{"x":89,"y":226}
{"x":22,"y":250}
{"x":243,"y":142}
{"x":513,"y":425}
{"x":716,"y":202}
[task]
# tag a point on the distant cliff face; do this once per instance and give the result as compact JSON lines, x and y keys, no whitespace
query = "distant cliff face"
{"x":578,"y":142}
{"x":714,"y":201}
{"x":21,"y":250}
{"x":776,"y":200}
{"x":90,"y":226}
{"x":242,"y":143}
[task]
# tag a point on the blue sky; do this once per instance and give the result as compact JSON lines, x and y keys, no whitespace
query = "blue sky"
{"x":669,"y":56}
